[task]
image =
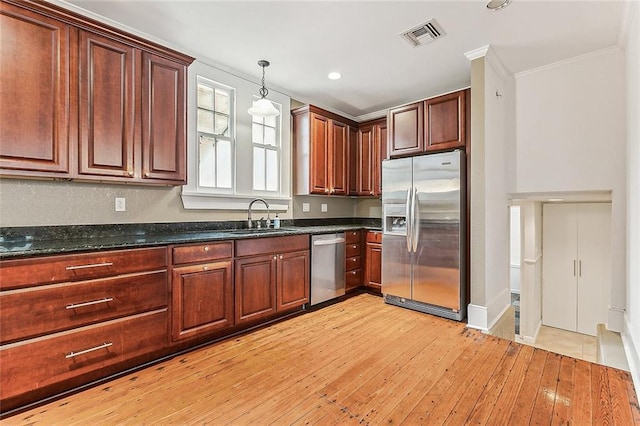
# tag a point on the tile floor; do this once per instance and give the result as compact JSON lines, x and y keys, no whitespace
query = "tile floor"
{"x":564,"y":342}
{"x":551,"y":339}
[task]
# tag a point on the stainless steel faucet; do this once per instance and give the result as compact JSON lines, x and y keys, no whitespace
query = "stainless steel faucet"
{"x":250,"y":222}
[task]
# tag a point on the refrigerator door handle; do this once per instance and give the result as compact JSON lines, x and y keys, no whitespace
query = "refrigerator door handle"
{"x":408,"y":218}
{"x":415,"y":216}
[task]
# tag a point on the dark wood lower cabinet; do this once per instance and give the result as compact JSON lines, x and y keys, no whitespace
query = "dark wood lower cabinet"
{"x":293,"y":280}
{"x":202,"y":299}
{"x":255,"y":287}
{"x":373,"y":269}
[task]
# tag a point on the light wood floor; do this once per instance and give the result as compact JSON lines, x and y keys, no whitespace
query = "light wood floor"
{"x":357,"y":362}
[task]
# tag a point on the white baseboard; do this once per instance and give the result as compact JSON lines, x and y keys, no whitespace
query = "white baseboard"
{"x":615,"y":319}
{"x":477,"y":317}
{"x":485,"y":317}
{"x":631,"y":349}
{"x":531,"y":340}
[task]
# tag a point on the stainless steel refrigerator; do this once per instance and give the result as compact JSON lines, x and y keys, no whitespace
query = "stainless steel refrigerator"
{"x":423,"y":240}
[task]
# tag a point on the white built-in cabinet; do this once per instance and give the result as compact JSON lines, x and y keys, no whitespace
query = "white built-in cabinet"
{"x":576,"y":268}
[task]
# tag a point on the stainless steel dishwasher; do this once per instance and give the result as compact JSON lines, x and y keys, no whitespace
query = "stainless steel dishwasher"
{"x":327,"y":267}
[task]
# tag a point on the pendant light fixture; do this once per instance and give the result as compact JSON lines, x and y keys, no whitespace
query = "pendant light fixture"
{"x":263,"y":106}
{"x":498,"y":4}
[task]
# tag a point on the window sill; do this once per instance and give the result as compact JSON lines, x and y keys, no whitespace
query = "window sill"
{"x":200,"y":201}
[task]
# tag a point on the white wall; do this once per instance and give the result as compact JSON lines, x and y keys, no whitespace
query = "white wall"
{"x":514,"y":249}
{"x":490,"y":294}
{"x":531,"y":272}
{"x":570,"y":137}
{"x":631,"y":333}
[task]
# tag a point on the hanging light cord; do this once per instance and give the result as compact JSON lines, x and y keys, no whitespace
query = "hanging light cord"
{"x":263,"y":90}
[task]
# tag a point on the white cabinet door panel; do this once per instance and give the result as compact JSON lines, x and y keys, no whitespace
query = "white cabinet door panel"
{"x":559,"y":250}
{"x":594,"y":268}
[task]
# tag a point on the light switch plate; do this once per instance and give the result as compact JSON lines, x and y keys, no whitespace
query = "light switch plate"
{"x":305,"y":207}
{"x":323,"y":208}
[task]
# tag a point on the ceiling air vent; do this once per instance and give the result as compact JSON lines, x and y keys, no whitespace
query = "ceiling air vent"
{"x":424,"y":33}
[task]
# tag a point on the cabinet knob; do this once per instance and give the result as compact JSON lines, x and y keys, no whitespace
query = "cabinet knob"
{"x":353,"y":272}
{"x":130,"y":173}
{"x":355,"y":246}
{"x":326,"y":191}
{"x":205,"y":268}
{"x":354,"y":259}
{"x":206,"y":248}
{"x":275,"y":257}
{"x":147,"y":174}
{"x":281,"y":257}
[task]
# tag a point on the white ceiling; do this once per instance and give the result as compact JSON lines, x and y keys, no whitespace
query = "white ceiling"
{"x":305,"y":40}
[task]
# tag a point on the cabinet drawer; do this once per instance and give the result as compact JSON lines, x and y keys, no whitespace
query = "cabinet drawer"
{"x":202,"y":252}
{"x":352,"y":263}
{"x":40,"y":362}
{"x":257,"y":246}
{"x":26,"y":313}
{"x":352,"y":236}
{"x":353,"y":278}
{"x":352,"y":250}
{"x":374,"y":237}
{"x":55,"y":269}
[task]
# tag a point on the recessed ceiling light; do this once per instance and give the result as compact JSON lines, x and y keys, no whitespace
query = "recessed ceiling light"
{"x":334,"y":76}
{"x":498,"y":4}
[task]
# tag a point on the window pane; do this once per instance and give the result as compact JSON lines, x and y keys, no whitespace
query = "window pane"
{"x":258,"y":169}
{"x":223,"y":164}
{"x":205,"y":121}
{"x":205,"y":97}
{"x":272,"y":170}
{"x":270,"y":121}
{"x":269,"y":136}
{"x":207,"y":167}
{"x":222,"y":125}
{"x":256,"y":133}
{"x":222,"y":101}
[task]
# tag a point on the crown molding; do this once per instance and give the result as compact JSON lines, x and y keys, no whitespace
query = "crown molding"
{"x":567,"y":61}
{"x":477,"y":53}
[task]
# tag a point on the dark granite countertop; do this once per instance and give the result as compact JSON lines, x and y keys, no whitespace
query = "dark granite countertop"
{"x":19,"y":242}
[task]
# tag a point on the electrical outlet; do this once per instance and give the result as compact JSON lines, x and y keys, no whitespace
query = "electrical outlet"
{"x":120,"y":204}
{"x":323,"y":208}
{"x":305,"y":207}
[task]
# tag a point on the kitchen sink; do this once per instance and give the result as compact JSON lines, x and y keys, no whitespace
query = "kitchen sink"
{"x":254,"y":231}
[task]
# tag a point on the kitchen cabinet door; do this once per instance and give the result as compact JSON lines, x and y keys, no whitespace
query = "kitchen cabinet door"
{"x":36,"y":94}
{"x":379,"y":153}
{"x":293,"y":280}
{"x":163,"y":119}
{"x":338,"y":156}
{"x":319,"y":155}
{"x":107,"y":106}
{"x":444,"y":122}
{"x":406,"y":130}
{"x":255,"y":287}
{"x":373,"y":261}
{"x":202,"y":299}
{"x":354,"y":170}
{"x":366,"y":160}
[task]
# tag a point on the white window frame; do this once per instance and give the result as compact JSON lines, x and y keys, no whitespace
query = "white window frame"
{"x":277,"y":148}
{"x":195,"y":197}
{"x":231,"y":138}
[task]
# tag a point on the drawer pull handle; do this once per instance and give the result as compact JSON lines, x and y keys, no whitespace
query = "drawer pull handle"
{"x":92,"y":265}
{"x":86,"y":351}
{"x":93,"y":302}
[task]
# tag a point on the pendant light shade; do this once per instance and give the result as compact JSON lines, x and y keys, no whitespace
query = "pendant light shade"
{"x":263,"y":106}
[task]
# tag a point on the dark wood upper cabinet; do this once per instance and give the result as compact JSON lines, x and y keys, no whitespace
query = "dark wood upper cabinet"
{"x":82,"y":100}
{"x":406,"y":130}
{"x":321,"y":152}
{"x":354,"y":170}
{"x":107,"y":106}
{"x":437,"y":124}
{"x":366,"y":157}
{"x":338,"y":158}
{"x":36,"y":93}
{"x":164,"y":116}
{"x":445,"y":122}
